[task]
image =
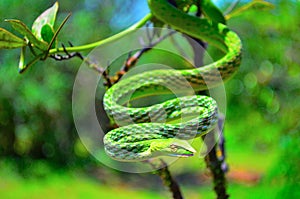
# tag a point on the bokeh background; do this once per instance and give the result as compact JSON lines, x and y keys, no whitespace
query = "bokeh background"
{"x":42,"y":156}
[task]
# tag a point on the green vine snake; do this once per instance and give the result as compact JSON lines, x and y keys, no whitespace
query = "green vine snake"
{"x":145,"y":139}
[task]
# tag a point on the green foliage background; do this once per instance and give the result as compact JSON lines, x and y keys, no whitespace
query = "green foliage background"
{"x":39,"y":143}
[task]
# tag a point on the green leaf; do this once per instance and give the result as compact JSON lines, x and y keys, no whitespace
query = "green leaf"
{"x":46,"y":18}
{"x":9,"y":40}
{"x":54,"y":38}
{"x":24,"y":30}
{"x":47,"y":33}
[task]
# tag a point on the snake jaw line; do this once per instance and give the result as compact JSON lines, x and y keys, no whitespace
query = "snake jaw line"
{"x":171,"y":147}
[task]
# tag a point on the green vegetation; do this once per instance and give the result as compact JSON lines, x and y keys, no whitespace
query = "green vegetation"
{"x":42,"y":156}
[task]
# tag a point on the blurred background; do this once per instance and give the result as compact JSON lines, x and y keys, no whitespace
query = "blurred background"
{"x":42,"y":156}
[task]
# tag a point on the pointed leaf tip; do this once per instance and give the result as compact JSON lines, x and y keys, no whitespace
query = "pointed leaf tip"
{"x":48,"y":17}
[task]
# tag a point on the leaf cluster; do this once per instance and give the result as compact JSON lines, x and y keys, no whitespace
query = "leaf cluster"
{"x":39,"y":39}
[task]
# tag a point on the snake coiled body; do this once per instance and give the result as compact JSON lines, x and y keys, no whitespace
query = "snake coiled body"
{"x":139,"y":138}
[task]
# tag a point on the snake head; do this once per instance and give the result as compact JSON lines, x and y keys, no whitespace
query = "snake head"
{"x":172,"y":147}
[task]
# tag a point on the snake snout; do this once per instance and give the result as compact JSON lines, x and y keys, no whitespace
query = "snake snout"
{"x":171,"y":147}
{"x":181,"y":148}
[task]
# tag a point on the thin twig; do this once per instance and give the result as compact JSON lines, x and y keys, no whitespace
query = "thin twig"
{"x":91,"y":64}
{"x":178,"y":47}
{"x":231,"y":7}
{"x":59,"y":57}
{"x":101,"y":71}
{"x":132,"y":60}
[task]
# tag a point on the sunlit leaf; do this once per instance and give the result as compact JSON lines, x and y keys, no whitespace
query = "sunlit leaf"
{"x":253,"y":5}
{"x":46,"y":18}
{"x":9,"y":40}
{"x":24,"y":30}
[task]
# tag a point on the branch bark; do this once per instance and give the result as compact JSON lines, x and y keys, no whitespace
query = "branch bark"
{"x":167,"y":179}
{"x":215,"y":166}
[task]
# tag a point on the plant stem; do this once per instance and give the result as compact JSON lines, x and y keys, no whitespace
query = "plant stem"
{"x":139,"y":24}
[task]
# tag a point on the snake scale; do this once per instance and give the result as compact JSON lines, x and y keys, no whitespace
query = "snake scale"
{"x":139,"y":138}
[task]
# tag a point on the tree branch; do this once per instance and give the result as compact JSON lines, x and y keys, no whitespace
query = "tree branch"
{"x":167,"y":179}
{"x":217,"y":166}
